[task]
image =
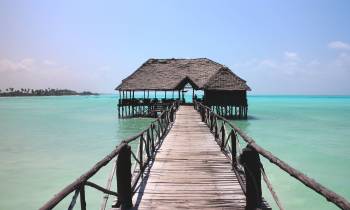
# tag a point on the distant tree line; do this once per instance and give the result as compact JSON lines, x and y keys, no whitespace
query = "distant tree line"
{"x":41,"y":92}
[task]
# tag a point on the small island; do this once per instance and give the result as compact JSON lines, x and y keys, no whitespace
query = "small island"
{"x":10,"y":92}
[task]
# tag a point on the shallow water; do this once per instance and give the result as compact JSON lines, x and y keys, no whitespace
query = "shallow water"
{"x":47,"y":142}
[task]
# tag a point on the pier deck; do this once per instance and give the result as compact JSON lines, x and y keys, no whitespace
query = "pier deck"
{"x":190,"y":171}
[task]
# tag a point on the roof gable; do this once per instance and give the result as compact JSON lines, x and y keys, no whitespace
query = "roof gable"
{"x":184,"y":81}
{"x":225,"y":79}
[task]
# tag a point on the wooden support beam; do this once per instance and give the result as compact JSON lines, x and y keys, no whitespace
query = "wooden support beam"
{"x":233,"y":148}
{"x":152,"y":138}
{"x":251,"y":162}
{"x":74,"y":199}
{"x":124,"y":178}
{"x":141,"y":152}
{"x":82,"y":198}
{"x":223,"y":136}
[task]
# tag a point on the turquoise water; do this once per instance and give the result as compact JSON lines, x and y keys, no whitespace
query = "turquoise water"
{"x":47,"y":142}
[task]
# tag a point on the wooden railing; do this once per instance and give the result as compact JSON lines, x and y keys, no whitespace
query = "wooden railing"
{"x":148,"y":141}
{"x":249,"y":168}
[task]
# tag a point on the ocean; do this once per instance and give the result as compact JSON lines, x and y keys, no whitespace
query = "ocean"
{"x":48,"y":142}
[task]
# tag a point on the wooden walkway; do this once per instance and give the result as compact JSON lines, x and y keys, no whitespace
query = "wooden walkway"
{"x":190,"y":171}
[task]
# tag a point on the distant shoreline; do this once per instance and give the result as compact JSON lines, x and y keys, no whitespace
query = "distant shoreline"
{"x":10,"y":92}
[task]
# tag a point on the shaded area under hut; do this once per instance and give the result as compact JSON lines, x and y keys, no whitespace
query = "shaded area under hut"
{"x":156,"y":84}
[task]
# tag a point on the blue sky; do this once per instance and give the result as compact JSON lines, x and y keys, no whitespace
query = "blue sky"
{"x":279,"y":47}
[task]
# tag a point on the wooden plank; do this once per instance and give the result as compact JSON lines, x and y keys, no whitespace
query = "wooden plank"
{"x":190,"y":171}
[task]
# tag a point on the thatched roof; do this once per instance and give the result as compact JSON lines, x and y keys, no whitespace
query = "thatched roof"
{"x":173,"y":74}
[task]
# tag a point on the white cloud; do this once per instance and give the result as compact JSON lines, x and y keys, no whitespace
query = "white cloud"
{"x":268,"y":63}
{"x":22,"y":65}
{"x":314,"y":62}
{"x":33,"y":73}
{"x":49,"y":62}
{"x":104,"y":68}
{"x":291,"y":56}
{"x":289,"y":73}
{"x":343,"y":60}
{"x":44,"y":73}
{"x":339,"y":45}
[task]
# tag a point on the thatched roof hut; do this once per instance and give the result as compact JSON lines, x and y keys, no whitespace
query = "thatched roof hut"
{"x":173,"y":74}
{"x":222,"y":88}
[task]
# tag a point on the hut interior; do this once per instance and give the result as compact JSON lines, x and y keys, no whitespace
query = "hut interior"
{"x":157,"y":83}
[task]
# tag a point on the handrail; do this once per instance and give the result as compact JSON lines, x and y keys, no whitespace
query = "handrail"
{"x":161,"y":125}
{"x":208,"y":115}
{"x":82,"y":179}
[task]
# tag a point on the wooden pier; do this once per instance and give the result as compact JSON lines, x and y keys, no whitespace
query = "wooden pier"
{"x":188,"y":160}
{"x":190,"y":171}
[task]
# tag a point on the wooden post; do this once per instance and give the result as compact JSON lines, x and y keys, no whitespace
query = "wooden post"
{"x":172,"y":111}
{"x":133,"y":108}
{"x":206,"y":116}
{"x":251,"y":162}
{"x":223,"y":136}
{"x":149,"y":144}
{"x":183,"y":96}
{"x":123,"y":171}
{"x":233,"y":148}
{"x":82,"y":198}
{"x":211,"y":122}
{"x":141,"y":153}
{"x":202,"y":111}
{"x":240,"y":112}
{"x":152,"y":139}
{"x":119,"y":104}
{"x":159,"y":130}
{"x":161,"y":126}
{"x":192,"y":95}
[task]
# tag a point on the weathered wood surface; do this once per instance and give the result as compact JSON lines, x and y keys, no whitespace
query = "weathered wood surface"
{"x":190,"y":171}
